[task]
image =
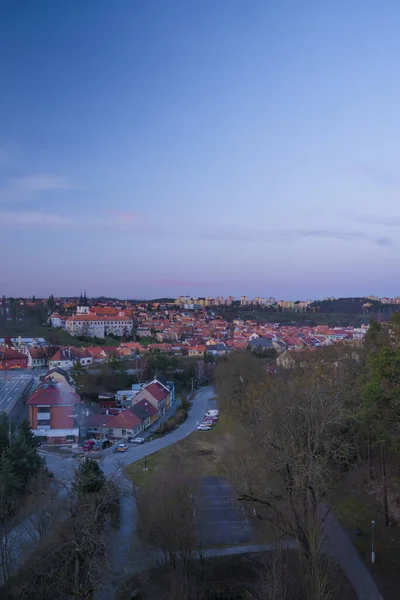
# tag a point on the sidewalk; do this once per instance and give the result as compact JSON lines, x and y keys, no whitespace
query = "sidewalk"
{"x":347,"y":557}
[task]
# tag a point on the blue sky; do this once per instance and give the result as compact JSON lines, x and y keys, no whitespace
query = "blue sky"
{"x":152,"y":148}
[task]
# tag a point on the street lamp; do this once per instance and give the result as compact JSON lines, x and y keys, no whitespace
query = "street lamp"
{"x":372,"y":542}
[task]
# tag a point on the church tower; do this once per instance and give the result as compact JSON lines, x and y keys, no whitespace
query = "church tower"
{"x":83,"y":306}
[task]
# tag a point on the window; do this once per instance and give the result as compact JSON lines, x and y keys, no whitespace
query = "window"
{"x":43,"y":409}
{"x":123,"y":432}
{"x":42,"y":422}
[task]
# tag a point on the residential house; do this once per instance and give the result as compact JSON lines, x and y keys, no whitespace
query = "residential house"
{"x":122,"y":425}
{"x":52,"y":413}
{"x":39,"y":357}
{"x":218,"y":349}
{"x":261,"y":343}
{"x":67,"y":356}
{"x":12,"y":359}
{"x":144,"y":413}
{"x":60,"y":376}
{"x":158,"y":394}
{"x":196,"y":350}
{"x":98,"y":354}
{"x":150,"y":410}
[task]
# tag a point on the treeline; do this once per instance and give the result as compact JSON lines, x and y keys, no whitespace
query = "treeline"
{"x":18,"y":315}
{"x":299,"y":430}
{"x":352,"y":306}
{"x":118,"y":374}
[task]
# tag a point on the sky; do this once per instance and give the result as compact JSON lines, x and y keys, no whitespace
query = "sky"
{"x":199,"y":147}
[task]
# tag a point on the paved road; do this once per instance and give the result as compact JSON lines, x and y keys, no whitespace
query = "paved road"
{"x":11,"y":390}
{"x":221,"y":519}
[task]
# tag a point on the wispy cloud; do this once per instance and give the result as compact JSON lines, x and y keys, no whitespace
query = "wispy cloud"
{"x":39,"y":183}
{"x":289,"y":235}
{"x":385,"y":220}
{"x":119,"y":220}
{"x":36,"y":220}
{"x":28,"y":188}
{"x":379,"y":177}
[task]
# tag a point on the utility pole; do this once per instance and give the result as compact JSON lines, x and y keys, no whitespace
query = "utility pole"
{"x":373,"y":541}
{"x":101,"y":438}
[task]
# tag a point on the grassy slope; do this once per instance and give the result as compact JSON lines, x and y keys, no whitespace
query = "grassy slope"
{"x":55,"y":336}
{"x":201,"y":449}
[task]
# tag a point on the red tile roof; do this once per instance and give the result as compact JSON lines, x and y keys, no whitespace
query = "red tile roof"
{"x":55,"y":394}
{"x":149,"y":408}
{"x":157,"y":391}
{"x":7,"y":353}
{"x":124,"y":420}
{"x":37,"y":353}
{"x":70,"y":353}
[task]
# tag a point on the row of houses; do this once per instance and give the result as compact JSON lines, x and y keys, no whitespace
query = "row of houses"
{"x":58,"y":415}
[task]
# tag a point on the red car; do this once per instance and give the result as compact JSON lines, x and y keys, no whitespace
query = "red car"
{"x":88,"y":445}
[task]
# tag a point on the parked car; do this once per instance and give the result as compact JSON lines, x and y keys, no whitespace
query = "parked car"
{"x":122,"y":447}
{"x":204,"y":427}
{"x":88,"y":445}
{"x":214,"y":413}
{"x":105,"y":443}
{"x":138,"y":440}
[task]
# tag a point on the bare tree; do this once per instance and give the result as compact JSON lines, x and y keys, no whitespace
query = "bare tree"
{"x":290,"y":433}
{"x":167,"y":511}
{"x":200,"y":372}
{"x":71,"y":559}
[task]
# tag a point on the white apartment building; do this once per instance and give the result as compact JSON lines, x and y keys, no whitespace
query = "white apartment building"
{"x":92,"y":325}
{"x":89,"y":324}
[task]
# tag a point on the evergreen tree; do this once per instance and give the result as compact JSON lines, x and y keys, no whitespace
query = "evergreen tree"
{"x":89,"y":477}
{"x":25,"y":433}
{"x":4,"y":431}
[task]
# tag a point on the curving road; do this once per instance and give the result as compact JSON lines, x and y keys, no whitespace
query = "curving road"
{"x":63,"y":468}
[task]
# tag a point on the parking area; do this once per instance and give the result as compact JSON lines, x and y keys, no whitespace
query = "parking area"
{"x":12,"y":389}
{"x":221,"y":519}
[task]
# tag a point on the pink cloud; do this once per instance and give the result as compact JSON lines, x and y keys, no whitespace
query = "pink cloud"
{"x":126,"y":216}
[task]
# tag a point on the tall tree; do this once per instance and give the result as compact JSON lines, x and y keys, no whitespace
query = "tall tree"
{"x":291,"y":435}
{"x":380,"y":408}
{"x":26,"y":434}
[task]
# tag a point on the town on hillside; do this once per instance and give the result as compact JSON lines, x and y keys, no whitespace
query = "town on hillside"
{"x":111,"y":369}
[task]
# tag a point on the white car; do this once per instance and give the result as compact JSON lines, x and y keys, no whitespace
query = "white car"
{"x":122,"y":447}
{"x":138,"y":440}
{"x":204,"y":427}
